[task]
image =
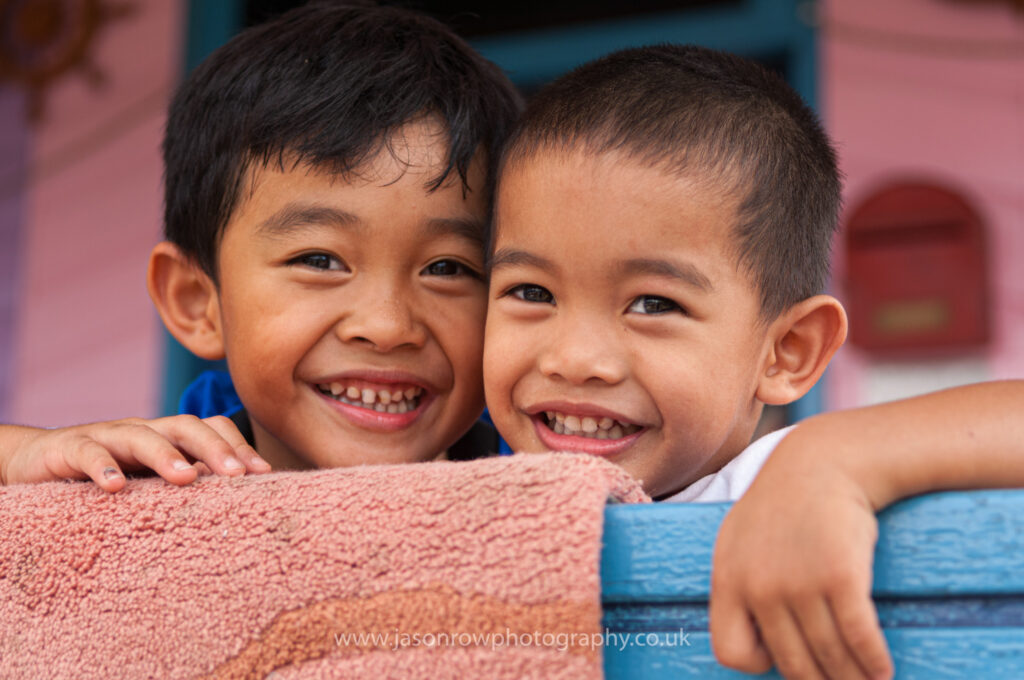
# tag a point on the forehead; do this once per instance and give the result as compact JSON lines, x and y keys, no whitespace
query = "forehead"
{"x":602,"y":203}
{"x":395,"y":188}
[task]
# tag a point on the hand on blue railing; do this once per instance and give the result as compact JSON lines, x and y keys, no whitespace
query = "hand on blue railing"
{"x":791,"y":579}
{"x":792,"y":572}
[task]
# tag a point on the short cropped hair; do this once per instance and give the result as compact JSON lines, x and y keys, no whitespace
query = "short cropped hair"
{"x":325,"y":84}
{"x":723,"y":120}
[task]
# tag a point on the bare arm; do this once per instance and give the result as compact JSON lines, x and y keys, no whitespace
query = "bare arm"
{"x":963,"y":438}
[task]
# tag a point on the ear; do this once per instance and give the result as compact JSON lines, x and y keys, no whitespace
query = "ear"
{"x":803,"y":340}
{"x":186,"y":299}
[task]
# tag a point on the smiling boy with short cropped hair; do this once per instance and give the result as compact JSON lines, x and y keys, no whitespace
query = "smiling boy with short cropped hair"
{"x":662,"y":234}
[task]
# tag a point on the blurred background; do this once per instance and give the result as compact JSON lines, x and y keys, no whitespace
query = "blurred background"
{"x":924,"y":98}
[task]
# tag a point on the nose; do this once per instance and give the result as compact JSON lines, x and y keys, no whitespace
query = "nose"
{"x":581,"y":351}
{"x":384,"y":318}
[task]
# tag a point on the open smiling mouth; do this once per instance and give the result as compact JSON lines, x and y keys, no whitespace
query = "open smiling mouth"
{"x":397,"y":399}
{"x":587,"y":427}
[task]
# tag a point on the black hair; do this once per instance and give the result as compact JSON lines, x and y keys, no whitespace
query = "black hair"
{"x":722,"y":119}
{"x":324,"y":84}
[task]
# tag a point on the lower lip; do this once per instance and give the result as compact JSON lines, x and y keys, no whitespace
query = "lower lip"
{"x":595,"y":447}
{"x":376,"y":420}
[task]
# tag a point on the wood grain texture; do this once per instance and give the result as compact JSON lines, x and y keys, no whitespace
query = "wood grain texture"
{"x":949,"y":586}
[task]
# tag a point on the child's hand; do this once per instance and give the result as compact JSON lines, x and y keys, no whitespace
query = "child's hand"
{"x":99,"y":451}
{"x":791,"y":580}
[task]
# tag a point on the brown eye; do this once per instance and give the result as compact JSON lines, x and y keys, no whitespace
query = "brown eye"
{"x":444,"y":268}
{"x":530,"y":293}
{"x":321,"y":261}
{"x":448,"y":268}
{"x":653,"y":304}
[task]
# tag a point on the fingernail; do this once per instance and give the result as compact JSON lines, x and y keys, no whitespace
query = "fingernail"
{"x":111,"y":473}
{"x":181,"y":465}
{"x":233,"y":464}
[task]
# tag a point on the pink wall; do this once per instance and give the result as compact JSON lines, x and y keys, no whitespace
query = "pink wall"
{"x":932,"y":89}
{"x":87,"y":343}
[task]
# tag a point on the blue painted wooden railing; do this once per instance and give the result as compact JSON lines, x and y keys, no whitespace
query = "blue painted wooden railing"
{"x":949,"y":586}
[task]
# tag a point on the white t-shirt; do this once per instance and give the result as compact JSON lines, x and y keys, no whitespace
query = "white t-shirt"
{"x":729,"y":483}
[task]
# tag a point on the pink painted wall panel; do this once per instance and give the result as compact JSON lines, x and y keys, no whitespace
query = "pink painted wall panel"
{"x":14,"y":145}
{"x":87,"y":343}
{"x":933,"y":89}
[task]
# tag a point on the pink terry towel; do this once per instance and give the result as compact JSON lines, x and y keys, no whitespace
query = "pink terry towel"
{"x":441,"y":570}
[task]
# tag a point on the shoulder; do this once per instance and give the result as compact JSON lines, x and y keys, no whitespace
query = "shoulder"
{"x":212,"y":393}
{"x":729,"y":483}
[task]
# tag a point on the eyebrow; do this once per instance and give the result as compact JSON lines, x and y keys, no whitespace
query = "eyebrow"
{"x":294,"y":217}
{"x":465,"y":228}
{"x":682,"y":271}
{"x":509,"y":257}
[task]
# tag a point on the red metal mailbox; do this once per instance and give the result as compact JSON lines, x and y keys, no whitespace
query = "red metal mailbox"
{"x":916,"y":280}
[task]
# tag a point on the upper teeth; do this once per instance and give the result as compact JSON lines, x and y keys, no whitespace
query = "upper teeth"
{"x":385,"y":400}
{"x":588,"y":426}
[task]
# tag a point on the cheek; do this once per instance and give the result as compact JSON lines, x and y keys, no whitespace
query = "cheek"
{"x":499,"y":380}
{"x":459,"y":329}
{"x":264,"y":333}
{"x":466,"y":356}
{"x":500,"y":361}
{"x":254,"y":324}
{"x":508,"y":358}
{"x":496,"y":383}
{"x":684,"y":383}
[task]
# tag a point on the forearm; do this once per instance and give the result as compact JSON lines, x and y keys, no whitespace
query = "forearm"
{"x":13,"y":437}
{"x":965,"y":437}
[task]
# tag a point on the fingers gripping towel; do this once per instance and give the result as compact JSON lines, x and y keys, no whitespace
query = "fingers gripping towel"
{"x":442,"y":570}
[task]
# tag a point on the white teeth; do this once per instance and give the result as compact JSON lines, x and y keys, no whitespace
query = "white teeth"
{"x":382,"y":401}
{"x":590,"y":427}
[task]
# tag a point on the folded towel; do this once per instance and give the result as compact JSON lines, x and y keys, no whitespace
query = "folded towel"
{"x":481,"y":569}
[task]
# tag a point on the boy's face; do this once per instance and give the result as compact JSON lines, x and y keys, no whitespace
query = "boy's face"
{"x":352,"y":309}
{"x":620,"y":323}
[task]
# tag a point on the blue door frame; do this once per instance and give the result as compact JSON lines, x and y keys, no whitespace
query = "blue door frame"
{"x":780,"y":31}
